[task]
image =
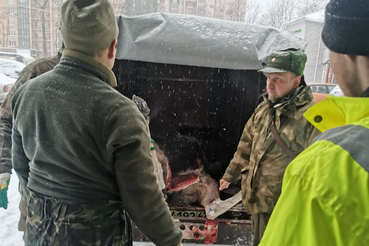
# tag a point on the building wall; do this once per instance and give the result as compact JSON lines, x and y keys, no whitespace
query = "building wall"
{"x":298,"y":29}
{"x":210,"y":8}
{"x":315,"y":52}
{"x":326,"y":65}
{"x":206,"y":8}
{"x":44,"y":27}
{"x":36,"y":21}
{"x":8,"y":25}
{"x":117,"y":5}
{"x":23,"y":24}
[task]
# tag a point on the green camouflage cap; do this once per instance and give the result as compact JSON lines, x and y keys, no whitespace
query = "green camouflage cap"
{"x":290,"y":60}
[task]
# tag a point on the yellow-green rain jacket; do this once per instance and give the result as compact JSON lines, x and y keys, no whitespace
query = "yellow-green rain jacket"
{"x":325,"y":192}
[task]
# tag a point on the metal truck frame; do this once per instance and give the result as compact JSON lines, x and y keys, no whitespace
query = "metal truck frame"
{"x":199,"y":77}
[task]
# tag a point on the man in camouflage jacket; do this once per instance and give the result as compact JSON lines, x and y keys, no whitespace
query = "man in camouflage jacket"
{"x":260,"y":160}
{"x":31,"y":71}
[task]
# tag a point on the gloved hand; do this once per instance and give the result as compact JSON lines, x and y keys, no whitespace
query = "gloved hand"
{"x":4,"y":183}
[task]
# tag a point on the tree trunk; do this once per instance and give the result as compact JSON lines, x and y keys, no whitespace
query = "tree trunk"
{"x":44,"y":33}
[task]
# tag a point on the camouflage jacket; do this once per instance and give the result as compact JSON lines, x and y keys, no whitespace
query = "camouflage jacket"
{"x":259,"y":160}
{"x":31,"y":71}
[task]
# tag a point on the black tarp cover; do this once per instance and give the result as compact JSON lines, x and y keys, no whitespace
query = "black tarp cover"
{"x":198,"y":75}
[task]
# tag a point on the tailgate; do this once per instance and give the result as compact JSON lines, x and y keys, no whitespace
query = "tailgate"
{"x":231,"y":228}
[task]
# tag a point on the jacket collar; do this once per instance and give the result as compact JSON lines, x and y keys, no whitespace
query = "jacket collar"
{"x":90,"y":60}
{"x":337,"y":111}
{"x":298,"y":97}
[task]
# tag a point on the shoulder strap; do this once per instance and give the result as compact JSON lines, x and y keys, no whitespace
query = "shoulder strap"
{"x":278,"y":138}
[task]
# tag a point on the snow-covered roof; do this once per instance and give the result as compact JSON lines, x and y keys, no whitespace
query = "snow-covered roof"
{"x":199,"y":41}
{"x":317,"y":17}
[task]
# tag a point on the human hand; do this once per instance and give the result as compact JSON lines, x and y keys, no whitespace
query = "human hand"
{"x":223,"y":184}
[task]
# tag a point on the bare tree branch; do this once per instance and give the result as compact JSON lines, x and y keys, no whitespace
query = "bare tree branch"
{"x":306,"y":7}
{"x":279,"y":13}
{"x":117,"y":6}
{"x":236,"y":10}
{"x":254,"y":11}
{"x":42,"y":5}
{"x":221,"y":11}
{"x":4,"y":28}
{"x":139,"y":7}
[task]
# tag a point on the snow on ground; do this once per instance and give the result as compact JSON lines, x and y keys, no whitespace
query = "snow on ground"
{"x":9,"y":234}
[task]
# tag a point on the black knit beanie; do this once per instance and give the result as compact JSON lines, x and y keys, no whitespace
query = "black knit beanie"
{"x":346,"y":28}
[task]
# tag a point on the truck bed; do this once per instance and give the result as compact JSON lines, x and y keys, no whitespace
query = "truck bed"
{"x":231,"y":228}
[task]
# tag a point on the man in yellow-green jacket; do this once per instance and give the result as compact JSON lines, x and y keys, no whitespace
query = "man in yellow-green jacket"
{"x":325,"y":192}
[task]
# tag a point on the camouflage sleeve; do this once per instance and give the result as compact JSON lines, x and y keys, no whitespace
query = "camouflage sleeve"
{"x":6,"y":123}
{"x":240,"y":161}
{"x":5,"y":136}
{"x":129,"y":143}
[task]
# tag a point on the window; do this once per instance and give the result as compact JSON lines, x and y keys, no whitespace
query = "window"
{"x":319,"y":89}
{"x":12,"y":43}
{"x":11,"y":32}
{"x":11,"y":11}
{"x":330,"y":88}
{"x":10,"y":1}
{"x":315,"y":88}
{"x":11,"y":22}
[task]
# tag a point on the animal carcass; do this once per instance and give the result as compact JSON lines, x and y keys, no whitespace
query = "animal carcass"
{"x":186,"y":180}
{"x":179,"y":167}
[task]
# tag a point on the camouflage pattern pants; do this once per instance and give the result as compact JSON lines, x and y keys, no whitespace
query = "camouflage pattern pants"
{"x":23,"y":217}
{"x":56,"y":222}
{"x":23,"y":214}
{"x":259,"y":223}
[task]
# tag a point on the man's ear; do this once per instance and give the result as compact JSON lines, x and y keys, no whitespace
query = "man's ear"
{"x":112,"y":49}
{"x":351,"y":57}
{"x":296,"y":82}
